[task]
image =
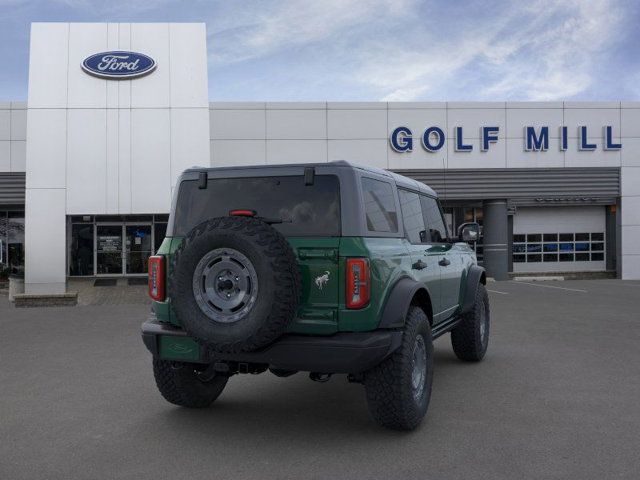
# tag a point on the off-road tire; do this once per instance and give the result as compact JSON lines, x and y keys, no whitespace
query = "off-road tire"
{"x":388,"y":386}
{"x":278,"y":278}
{"x":468,"y":341}
{"x":179,"y":384}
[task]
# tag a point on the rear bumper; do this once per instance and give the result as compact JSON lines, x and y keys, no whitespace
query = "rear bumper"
{"x":340,"y":353}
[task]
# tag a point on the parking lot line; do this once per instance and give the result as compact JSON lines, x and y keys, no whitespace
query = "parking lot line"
{"x":496,"y":291}
{"x":551,"y":286}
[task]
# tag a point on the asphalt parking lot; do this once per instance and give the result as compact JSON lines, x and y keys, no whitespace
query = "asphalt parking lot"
{"x":557,"y":396}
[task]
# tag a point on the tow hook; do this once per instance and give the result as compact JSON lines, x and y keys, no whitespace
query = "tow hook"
{"x":320,"y":377}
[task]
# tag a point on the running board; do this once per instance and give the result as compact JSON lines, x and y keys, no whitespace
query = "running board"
{"x":444,"y":327}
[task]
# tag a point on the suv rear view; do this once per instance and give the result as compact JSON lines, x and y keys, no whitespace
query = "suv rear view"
{"x":308,"y":268}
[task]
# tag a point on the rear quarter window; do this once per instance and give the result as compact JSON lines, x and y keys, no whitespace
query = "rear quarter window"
{"x":379,"y":206}
{"x":306,"y":210}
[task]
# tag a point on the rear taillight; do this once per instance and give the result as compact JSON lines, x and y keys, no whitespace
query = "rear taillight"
{"x":156,"y":278}
{"x":358,"y":285}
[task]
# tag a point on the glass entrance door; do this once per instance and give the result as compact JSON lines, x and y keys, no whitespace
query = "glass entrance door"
{"x":109,"y":250}
{"x":138,"y":248}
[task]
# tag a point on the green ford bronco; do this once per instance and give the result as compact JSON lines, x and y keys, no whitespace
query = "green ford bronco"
{"x":325,"y":268}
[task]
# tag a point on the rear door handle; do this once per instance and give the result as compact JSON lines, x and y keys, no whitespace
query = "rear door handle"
{"x":444,"y":262}
{"x":419,"y":265}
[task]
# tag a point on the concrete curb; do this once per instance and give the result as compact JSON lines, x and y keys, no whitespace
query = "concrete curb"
{"x":24,"y":300}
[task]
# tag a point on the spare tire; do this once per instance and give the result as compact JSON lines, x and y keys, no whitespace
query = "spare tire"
{"x":234,"y":284}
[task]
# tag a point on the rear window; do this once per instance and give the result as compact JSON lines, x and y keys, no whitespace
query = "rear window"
{"x":307,"y":210}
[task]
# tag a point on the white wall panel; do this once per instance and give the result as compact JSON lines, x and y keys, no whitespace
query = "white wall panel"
{"x":357,"y":124}
{"x":5,"y":124}
{"x":364,"y":152}
{"x":18,"y":156}
{"x":124,"y":87}
{"x":630,"y":181}
{"x":593,"y":119}
{"x":418,"y":120}
{"x":597,"y":158}
{"x":111,"y":162}
{"x":237,"y":124}
{"x":5,"y":156}
{"x":189,"y":140}
{"x":471,"y":119}
{"x":518,"y":118}
{"x":630,"y":267}
{"x":238,"y":152}
{"x":18,"y":124}
{"x":630,"y":235}
{"x":86,"y":91}
{"x":296,"y":151}
{"x":47,"y":148}
{"x":559,"y":219}
{"x":188,"y":56}
{"x":150,"y":161}
{"x":630,"y":153}
{"x":86,"y":161}
{"x":124,"y":161}
{"x":45,"y":241}
{"x":495,"y":157}
{"x":630,"y":211}
{"x":296,"y":124}
{"x":517,"y":157}
{"x":630,"y":122}
{"x":153,"y":90}
{"x":418,"y":158}
{"x":48,"y":65}
{"x":113,"y":43}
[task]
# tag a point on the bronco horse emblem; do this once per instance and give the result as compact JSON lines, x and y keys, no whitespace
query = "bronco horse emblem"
{"x":321,"y":280}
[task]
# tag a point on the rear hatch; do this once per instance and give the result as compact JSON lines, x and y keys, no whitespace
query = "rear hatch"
{"x":306,"y":212}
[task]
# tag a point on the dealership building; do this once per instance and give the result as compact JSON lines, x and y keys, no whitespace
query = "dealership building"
{"x":116,"y":111}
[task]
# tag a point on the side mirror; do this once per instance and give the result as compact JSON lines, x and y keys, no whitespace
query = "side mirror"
{"x":469,"y":232}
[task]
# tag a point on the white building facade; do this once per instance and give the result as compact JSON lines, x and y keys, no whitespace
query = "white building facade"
{"x":556,"y":185}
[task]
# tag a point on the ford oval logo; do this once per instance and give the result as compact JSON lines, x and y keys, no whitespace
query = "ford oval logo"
{"x":118,"y":65}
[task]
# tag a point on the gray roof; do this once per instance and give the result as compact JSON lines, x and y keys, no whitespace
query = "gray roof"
{"x":400,"y":180}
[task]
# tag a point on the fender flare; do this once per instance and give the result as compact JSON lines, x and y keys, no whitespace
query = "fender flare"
{"x":475,"y":277}
{"x":398,"y":302}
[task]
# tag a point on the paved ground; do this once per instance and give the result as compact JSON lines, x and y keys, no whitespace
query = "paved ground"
{"x":557,"y":397}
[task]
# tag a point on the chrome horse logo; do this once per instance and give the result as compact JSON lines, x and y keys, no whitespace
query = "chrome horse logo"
{"x":321,"y":280}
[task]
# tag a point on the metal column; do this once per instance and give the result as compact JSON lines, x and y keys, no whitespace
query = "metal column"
{"x":496,"y":239}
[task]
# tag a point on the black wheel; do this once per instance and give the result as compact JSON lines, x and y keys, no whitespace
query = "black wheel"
{"x":181,"y":384}
{"x":398,"y":390}
{"x":470,"y":338}
{"x":234,"y":284}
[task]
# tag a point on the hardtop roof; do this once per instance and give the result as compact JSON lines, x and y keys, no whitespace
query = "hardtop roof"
{"x":400,"y":180}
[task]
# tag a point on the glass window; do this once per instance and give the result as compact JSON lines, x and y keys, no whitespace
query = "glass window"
{"x":15,"y":241}
{"x":519,"y":258}
{"x":566,"y":237}
{"x":307,"y":210}
{"x":534,"y":237}
{"x":412,"y":216}
{"x":519,"y":248}
{"x":597,"y":257}
{"x":598,"y":237}
{"x":582,"y":257}
{"x":379,"y":205}
{"x":550,"y":257}
{"x":81,"y":252}
{"x":519,"y":238}
{"x":550,"y":237}
{"x":160,"y":231}
{"x":597,"y":246}
{"x":433,"y":220}
{"x":566,"y":257}
{"x":550,"y":247}
{"x":534,"y":258}
{"x":581,"y":237}
{"x":534,"y":247}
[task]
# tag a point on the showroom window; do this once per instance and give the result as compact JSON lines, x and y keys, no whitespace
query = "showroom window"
{"x":11,"y":242}
{"x":558,"y":247}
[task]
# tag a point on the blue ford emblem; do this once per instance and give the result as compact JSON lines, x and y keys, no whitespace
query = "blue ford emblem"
{"x":118,"y":65}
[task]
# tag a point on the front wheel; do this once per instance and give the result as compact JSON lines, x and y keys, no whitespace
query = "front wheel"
{"x":181,"y":384}
{"x":398,"y":389}
{"x":470,"y":338}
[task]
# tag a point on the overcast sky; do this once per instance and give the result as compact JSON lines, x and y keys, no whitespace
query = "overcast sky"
{"x":403,"y":50}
